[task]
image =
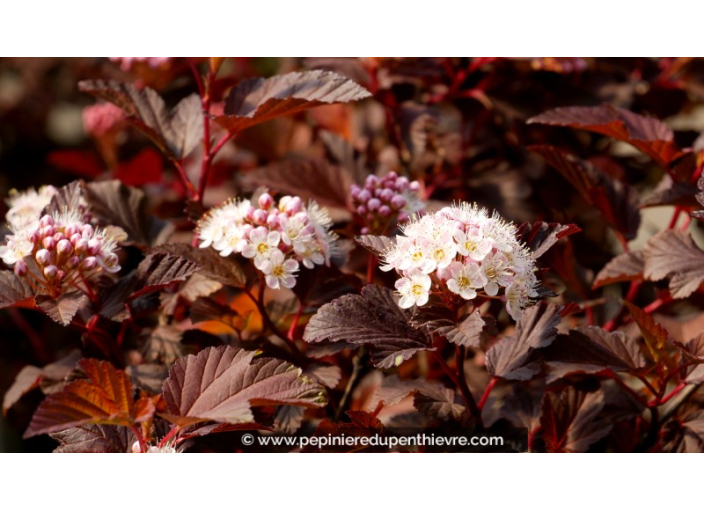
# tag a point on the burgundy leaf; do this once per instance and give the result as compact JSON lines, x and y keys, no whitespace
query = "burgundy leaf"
{"x":376,"y":244}
{"x":26,"y":380}
{"x":647,"y":134}
{"x":672,"y":254}
{"x":177,"y":132}
{"x":622,"y":268}
{"x":374,"y":319}
{"x":158,"y":270}
{"x":257,"y":100}
{"x":94,"y":439}
{"x":668,"y":192}
{"x":13,"y":289}
{"x":617,"y":201}
{"x":512,"y":357}
{"x":589,"y":350}
{"x":225,"y":270}
{"x":570,"y":420}
{"x":318,"y":180}
{"x":439,"y":403}
{"x":222,"y":384}
{"x":63,"y":308}
{"x":469,"y":331}
{"x":69,"y":197}
{"x":113,"y":203}
{"x":540,"y":236}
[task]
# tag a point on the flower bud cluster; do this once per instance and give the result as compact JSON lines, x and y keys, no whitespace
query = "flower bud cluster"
{"x":66,"y":249}
{"x":385,"y":200}
{"x":462,"y":250}
{"x":278,"y":237}
{"x":100,"y":118}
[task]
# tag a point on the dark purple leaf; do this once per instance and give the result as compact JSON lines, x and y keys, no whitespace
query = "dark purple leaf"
{"x":622,"y":268}
{"x":672,"y":254}
{"x":95,"y":439}
{"x":13,"y":289}
{"x":63,"y":308}
{"x":540,"y":236}
{"x":372,"y":319}
{"x":225,"y":270}
{"x":469,"y":331}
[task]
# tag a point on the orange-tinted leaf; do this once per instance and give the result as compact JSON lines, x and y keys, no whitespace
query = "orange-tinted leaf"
{"x":257,"y":100}
{"x":105,"y":397}
{"x":27,"y":379}
{"x":654,"y":334}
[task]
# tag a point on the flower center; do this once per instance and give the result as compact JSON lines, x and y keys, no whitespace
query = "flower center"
{"x":463,"y":282}
{"x":262,"y":248}
{"x":490,"y":272}
{"x":417,"y":256}
{"x":278,"y":271}
{"x":439,"y":254}
{"x":417,"y":289}
{"x":470,"y":245}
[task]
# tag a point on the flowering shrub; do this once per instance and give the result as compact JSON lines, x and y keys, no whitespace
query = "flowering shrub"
{"x":362,"y":247}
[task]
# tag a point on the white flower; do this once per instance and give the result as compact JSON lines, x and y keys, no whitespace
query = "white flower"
{"x":519,"y":294}
{"x":309,"y":253}
{"x":293,"y":229}
{"x":213,"y":227}
{"x":18,"y":247}
{"x":414,"y":288}
{"x":496,"y":271}
{"x":465,"y":279}
{"x":279,"y":271}
{"x":233,"y":240}
{"x":473,"y":244}
{"x":262,"y":244}
{"x":28,"y":205}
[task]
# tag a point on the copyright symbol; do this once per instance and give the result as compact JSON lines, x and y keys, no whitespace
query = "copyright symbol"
{"x":247,"y":439}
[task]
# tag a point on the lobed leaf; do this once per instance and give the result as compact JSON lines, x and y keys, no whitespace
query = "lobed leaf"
{"x":513,"y":357}
{"x":672,"y":254}
{"x":540,"y":236}
{"x":257,"y":100}
{"x":222,"y":384}
{"x":617,"y":201}
{"x":105,"y":397}
{"x":469,"y":331}
{"x":647,"y":134}
{"x":159,"y":270}
{"x":177,"y":132}
{"x":225,"y":270}
{"x":94,"y":439}
{"x":570,"y":420}
{"x":372,"y":318}
{"x":376,"y":244}
{"x":63,"y":308}
{"x":626,"y":267}
{"x":13,"y":289}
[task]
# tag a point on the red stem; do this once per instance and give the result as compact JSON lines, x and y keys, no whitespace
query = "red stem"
{"x":168,"y":436}
{"x":485,"y":396}
{"x":140,"y":438}
{"x":294,"y":324}
{"x":674,"y":392}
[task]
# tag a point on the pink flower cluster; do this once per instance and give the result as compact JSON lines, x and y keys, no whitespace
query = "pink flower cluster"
{"x":276,"y":236}
{"x":462,"y":250}
{"x":126,"y":63}
{"x":68,"y":251}
{"x":385,"y":200}
{"x":100,"y":118}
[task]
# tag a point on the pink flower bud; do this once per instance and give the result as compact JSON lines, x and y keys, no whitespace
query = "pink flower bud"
{"x":266,"y":201}
{"x":273,"y":220}
{"x":387,"y":195}
{"x":398,"y":202}
{"x":384,"y":210}
{"x":249,"y":214}
{"x":59,"y":236}
{"x":86,"y":231}
{"x":403,"y":216}
{"x":49,"y":243}
{"x":293,"y":206}
{"x":75,"y":238}
{"x":34,"y":237}
{"x":354,"y":191}
{"x":94,"y":246}
{"x":64,"y":247}
{"x":20,"y":268}
{"x":71,"y":230}
{"x":81,"y":246}
{"x":73,"y":261}
{"x":47,"y":231}
{"x":46,"y":221}
{"x":372,"y":180}
{"x":260,"y":216}
{"x":365,"y":231}
{"x":60,"y":275}
{"x":364,"y":195}
{"x":89,"y":263}
{"x":373,"y":204}
{"x":51,"y":271}
{"x":414,"y":186}
{"x":378,"y":192}
{"x":361,"y":210}
{"x":401,"y":183}
{"x":247,"y":229}
{"x":43,"y":257}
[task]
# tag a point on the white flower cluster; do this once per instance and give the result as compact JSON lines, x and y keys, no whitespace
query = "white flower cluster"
{"x":464,"y":250}
{"x":66,"y":248}
{"x":277,"y":237}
